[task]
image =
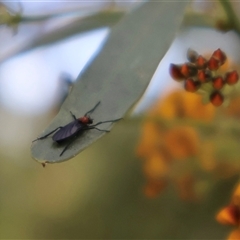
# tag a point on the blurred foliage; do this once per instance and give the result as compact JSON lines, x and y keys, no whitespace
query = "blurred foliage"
{"x":98,"y":195}
{"x":189,"y":144}
{"x":189,"y":165}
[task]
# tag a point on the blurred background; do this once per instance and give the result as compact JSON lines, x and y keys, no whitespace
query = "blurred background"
{"x":99,"y":193}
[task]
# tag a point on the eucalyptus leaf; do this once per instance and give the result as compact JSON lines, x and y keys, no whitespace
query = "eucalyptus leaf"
{"x":117,"y":77}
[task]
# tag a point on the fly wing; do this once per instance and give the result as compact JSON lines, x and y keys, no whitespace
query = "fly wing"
{"x":68,"y":131}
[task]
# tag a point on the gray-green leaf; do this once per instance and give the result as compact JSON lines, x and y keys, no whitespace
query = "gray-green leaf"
{"x":117,"y":77}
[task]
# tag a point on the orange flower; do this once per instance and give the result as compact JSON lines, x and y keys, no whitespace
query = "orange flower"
{"x":180,"y":104}
{"x":156,"y":166}
{"x":181,"y":142}
{"x":233,"y":109}
{"x":230,"y":214}
{"x":170,"y":107}
{"x":236,"y":197}
{"x":195,"y":109}
{"x":234,"y":235}
{"x":162,"y":145}
{"x":149,"y":140}
{"x":153,"y":188}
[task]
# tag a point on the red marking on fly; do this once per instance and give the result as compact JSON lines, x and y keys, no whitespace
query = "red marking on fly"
{"x":85,"y":120}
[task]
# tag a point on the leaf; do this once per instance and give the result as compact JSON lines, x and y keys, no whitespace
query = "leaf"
{"x":117,"y":77}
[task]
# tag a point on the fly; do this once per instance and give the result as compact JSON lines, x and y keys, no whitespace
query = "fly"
{"x":74,"y":128}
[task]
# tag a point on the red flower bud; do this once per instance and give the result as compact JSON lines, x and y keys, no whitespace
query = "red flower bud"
{"x":191,"y":85}
{"x":188,"y":70}
{"x":201,"y":62}
{"x":216,"y":98}
{"x":231,"y":77}
{"x":192,"y":55}
{"x":175,"y":72}
{"x":218,"y":82}
{"x":220,"y":56}
{"x":204,"y":75}
{"x":213,"y":64}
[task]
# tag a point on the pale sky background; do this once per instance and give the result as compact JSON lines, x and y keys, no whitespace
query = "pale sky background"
{"x":33,"y":85}
{"x":30,"y":81}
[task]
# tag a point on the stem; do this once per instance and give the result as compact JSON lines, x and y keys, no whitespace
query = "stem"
{"x":30,"y":19}
{"x":232,"y":18}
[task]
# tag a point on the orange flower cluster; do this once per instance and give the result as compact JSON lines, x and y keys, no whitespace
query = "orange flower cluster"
{"x":230,"y":215}
{"x":165,"y":147}
{"x":188,"y":145}
{"x":182,"y":139}
{"x":202,"y":74}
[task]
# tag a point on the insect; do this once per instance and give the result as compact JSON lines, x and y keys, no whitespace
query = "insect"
{"x":75,"y":128}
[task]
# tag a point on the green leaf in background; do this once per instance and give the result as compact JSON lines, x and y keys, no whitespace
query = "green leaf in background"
{"x":118,"y":76}
{"x":105,"y":18}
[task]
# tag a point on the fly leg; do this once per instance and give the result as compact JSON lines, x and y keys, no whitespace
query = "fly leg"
{"x":45,"y":136}
{"x":90,"y":111}
{"x":66,"y":147}
{"x":102,"y":130}
{"x":73,"y":116}
{"x":115,"y":120}
{"x":94,"y":126}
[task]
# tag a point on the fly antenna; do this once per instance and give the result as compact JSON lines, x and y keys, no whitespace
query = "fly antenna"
{"x":89,"y":112}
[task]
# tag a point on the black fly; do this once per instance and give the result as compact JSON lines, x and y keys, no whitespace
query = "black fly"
{"x":74,"y":128}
